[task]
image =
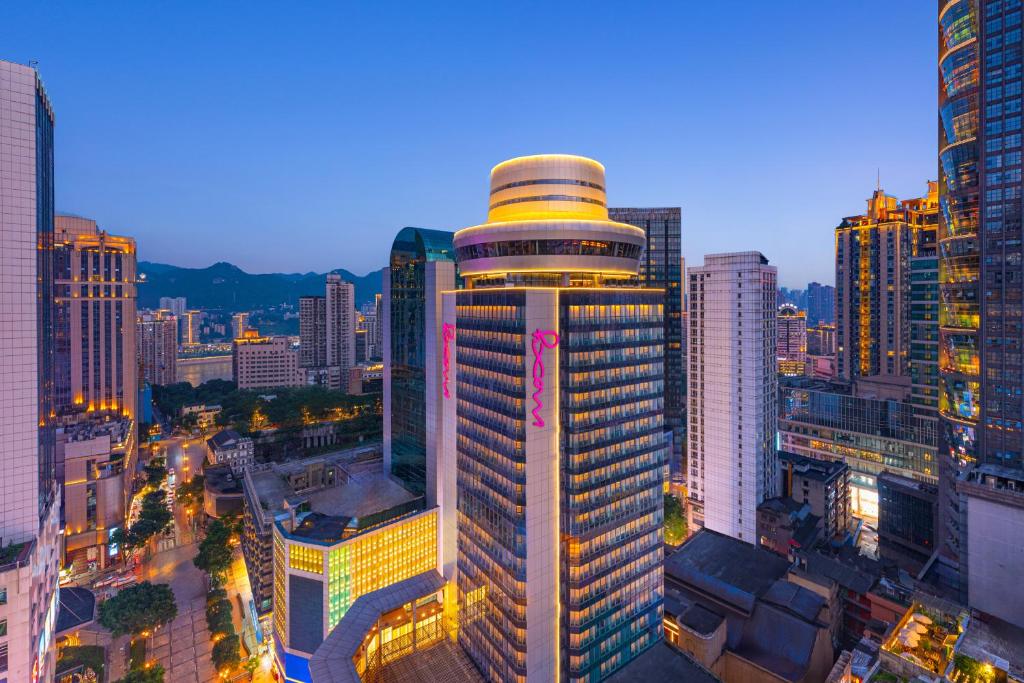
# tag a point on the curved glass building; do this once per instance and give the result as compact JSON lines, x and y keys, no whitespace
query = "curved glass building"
{"x":422,"y":265}
{"x":552,"y":394}
{"x":980,"y":262}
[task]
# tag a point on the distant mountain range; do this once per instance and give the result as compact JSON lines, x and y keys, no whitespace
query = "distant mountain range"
{"x":228,"y":287}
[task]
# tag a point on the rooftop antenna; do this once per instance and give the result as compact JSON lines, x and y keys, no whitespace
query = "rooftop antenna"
{"x":878,"y":179}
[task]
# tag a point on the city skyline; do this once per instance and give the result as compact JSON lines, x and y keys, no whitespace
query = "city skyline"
{"x":211,"y":175}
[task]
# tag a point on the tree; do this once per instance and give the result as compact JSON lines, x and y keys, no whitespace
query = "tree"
{"x":218,"y":617}
{"x":138,"y":608}
{"x":191,"y":492}
{"x":225,"y":652}
{"x":675,"y":521}
{"x":214,"y":556}
{"x":154,"y":674}
{"x":153,"y":519}
{"x":156,"y":472}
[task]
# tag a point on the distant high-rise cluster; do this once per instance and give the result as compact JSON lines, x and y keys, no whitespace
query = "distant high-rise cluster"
{"x":821,"y":304}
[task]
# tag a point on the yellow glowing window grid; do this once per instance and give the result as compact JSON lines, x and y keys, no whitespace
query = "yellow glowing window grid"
{"x":306,"y":559}
{"x":380,"y":558}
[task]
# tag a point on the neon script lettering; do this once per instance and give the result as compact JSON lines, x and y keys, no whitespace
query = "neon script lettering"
{"x":542,"y":339}
{"x":447,"y":334}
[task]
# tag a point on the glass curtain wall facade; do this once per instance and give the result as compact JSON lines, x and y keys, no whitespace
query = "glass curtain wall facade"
{"x":661,"y":266}
{"x":553,"y":403}
{"x":405,"y":390}
{"x":980,"y":266}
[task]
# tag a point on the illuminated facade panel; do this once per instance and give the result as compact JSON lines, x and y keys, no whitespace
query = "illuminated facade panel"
{"x":791,"y":340}
{"x":553,"y":360}
{"x":317,"y":576}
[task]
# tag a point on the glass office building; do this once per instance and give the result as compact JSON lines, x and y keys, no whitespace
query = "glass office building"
{"x":422,"y":266}
{"x":553,"y":400}
{"x":661,"y":267}
{"x":981,"y":275}
{"x":823,"y":420}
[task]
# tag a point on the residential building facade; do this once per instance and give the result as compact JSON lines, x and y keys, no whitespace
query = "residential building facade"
{"x":733,"y":466}
{"x":157,"y":338}
{"x":312,"y":331}
{"x":341,"y":323}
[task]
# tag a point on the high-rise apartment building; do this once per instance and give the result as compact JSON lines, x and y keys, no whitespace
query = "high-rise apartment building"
{"x":177,"y":305}
{"x":981,"y":270}
{"x":369,"y":320}
{"x":821,"y":304}
{"x":239,"y":324}
{"x":873,"y":253}
{"x":341,"y":323}
{"x":94,"y":319}
{"x":821,"y":340}
{"x":791,"y":344}
{"x":733,"y":465}
{"x":190,"y":325}
{"x":421,"y":266}
{"x":157,"y":339}
{"x":312,"y":332}
{"x":29,"y":517}
{"x":265,"y":362}
{"x":551,"y":387}
{"x":661,"y":267}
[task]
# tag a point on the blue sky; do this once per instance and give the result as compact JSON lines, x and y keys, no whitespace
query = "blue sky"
{"x":302,"y":136}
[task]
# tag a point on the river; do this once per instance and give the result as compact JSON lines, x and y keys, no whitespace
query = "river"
{"x":195,"y":371}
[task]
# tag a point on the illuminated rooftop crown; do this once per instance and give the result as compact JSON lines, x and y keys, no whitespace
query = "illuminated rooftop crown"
{"x":548,"y":213}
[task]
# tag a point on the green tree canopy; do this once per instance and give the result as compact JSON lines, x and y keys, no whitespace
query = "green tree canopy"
{"x":225,"y":653}
{"x":675,"y":521}
{"x":214,"y":556}
{"x":154,"y":674}
{"x":138,"y":608}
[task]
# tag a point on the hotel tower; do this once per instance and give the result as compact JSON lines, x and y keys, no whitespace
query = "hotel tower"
{"x":552,"y":392}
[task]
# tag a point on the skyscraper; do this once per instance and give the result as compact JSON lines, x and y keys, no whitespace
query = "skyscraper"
{"x":791,"y":344}
{"x":422,"y":265}
{"x":821,"y":304}
{"x":981,"y":271}
{"x":552,"y":382}
{"x":873,"y":253}
{"x":94,"y":316}
{"x":661,"y":268}
{"x":732,"y":378}
{"x":29,"y":520}
{"x":312,"y":331}
{"x":924,"y":327}
{"x":341,"y":323}
{"x":157,"y":339}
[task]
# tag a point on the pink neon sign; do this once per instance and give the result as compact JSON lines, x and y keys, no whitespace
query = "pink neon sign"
{"x":542,"y":339}
{"x":447,"y":334}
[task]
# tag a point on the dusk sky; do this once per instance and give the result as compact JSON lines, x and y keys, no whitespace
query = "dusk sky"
{"x":303,"y":136}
